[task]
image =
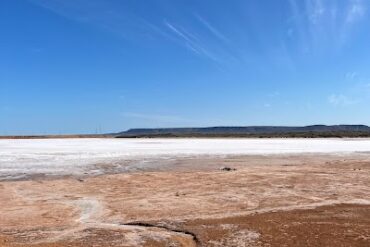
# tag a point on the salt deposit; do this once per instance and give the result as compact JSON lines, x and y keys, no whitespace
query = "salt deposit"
{"x":63,"y":156}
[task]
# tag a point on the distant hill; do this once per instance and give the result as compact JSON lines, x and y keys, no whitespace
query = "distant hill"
{"x":253,"y":131}
{"x":57,"y":136}
{"x":313,"y":131}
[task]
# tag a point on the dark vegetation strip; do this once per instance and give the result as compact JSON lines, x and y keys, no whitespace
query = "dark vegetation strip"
{"x":334,"y":134}
{"x":57,"y":136}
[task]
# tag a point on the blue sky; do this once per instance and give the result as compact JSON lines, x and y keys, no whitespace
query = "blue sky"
{"x":78,"y":66}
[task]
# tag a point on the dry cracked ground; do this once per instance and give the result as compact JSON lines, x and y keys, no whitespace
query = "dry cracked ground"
{"x":306,"y":200}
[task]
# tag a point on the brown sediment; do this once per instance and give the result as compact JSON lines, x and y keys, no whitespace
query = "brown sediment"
{"x":334,"y":225}
{"x":266,"y":201}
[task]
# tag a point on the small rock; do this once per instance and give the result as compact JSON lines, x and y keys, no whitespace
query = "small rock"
{"x":227,"y":169}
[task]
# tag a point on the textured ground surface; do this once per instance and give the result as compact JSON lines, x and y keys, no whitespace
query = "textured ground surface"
{"x":305,"y":200}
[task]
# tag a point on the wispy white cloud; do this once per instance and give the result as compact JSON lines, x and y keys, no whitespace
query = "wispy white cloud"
{"x":298,"y":29}
{"x":356,"y":11}
{"x":178,"y":32}
{"x":321,"y":24}
{"x":212,"y":29}
{"x":274,"y":94}
{"x":132,"y":26}
{"x":314,"y":25}
{"x":341,"y":100}
{"x":103,"y":15}
{"x":155,"y":28}
{"x":315,"y":10}
{"x":191,"y":42}
{"x":351,"y":75}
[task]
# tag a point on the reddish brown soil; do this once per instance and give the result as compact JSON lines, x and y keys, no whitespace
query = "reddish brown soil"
{"x":267,"y":201}
{"x":339,"y":225}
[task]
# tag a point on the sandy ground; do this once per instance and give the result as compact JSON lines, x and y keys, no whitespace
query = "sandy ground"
{"x":270,"y":200}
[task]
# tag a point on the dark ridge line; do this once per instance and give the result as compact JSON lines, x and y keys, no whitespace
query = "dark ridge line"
{"x":144,"y":224}
{"x":312,"y":131}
